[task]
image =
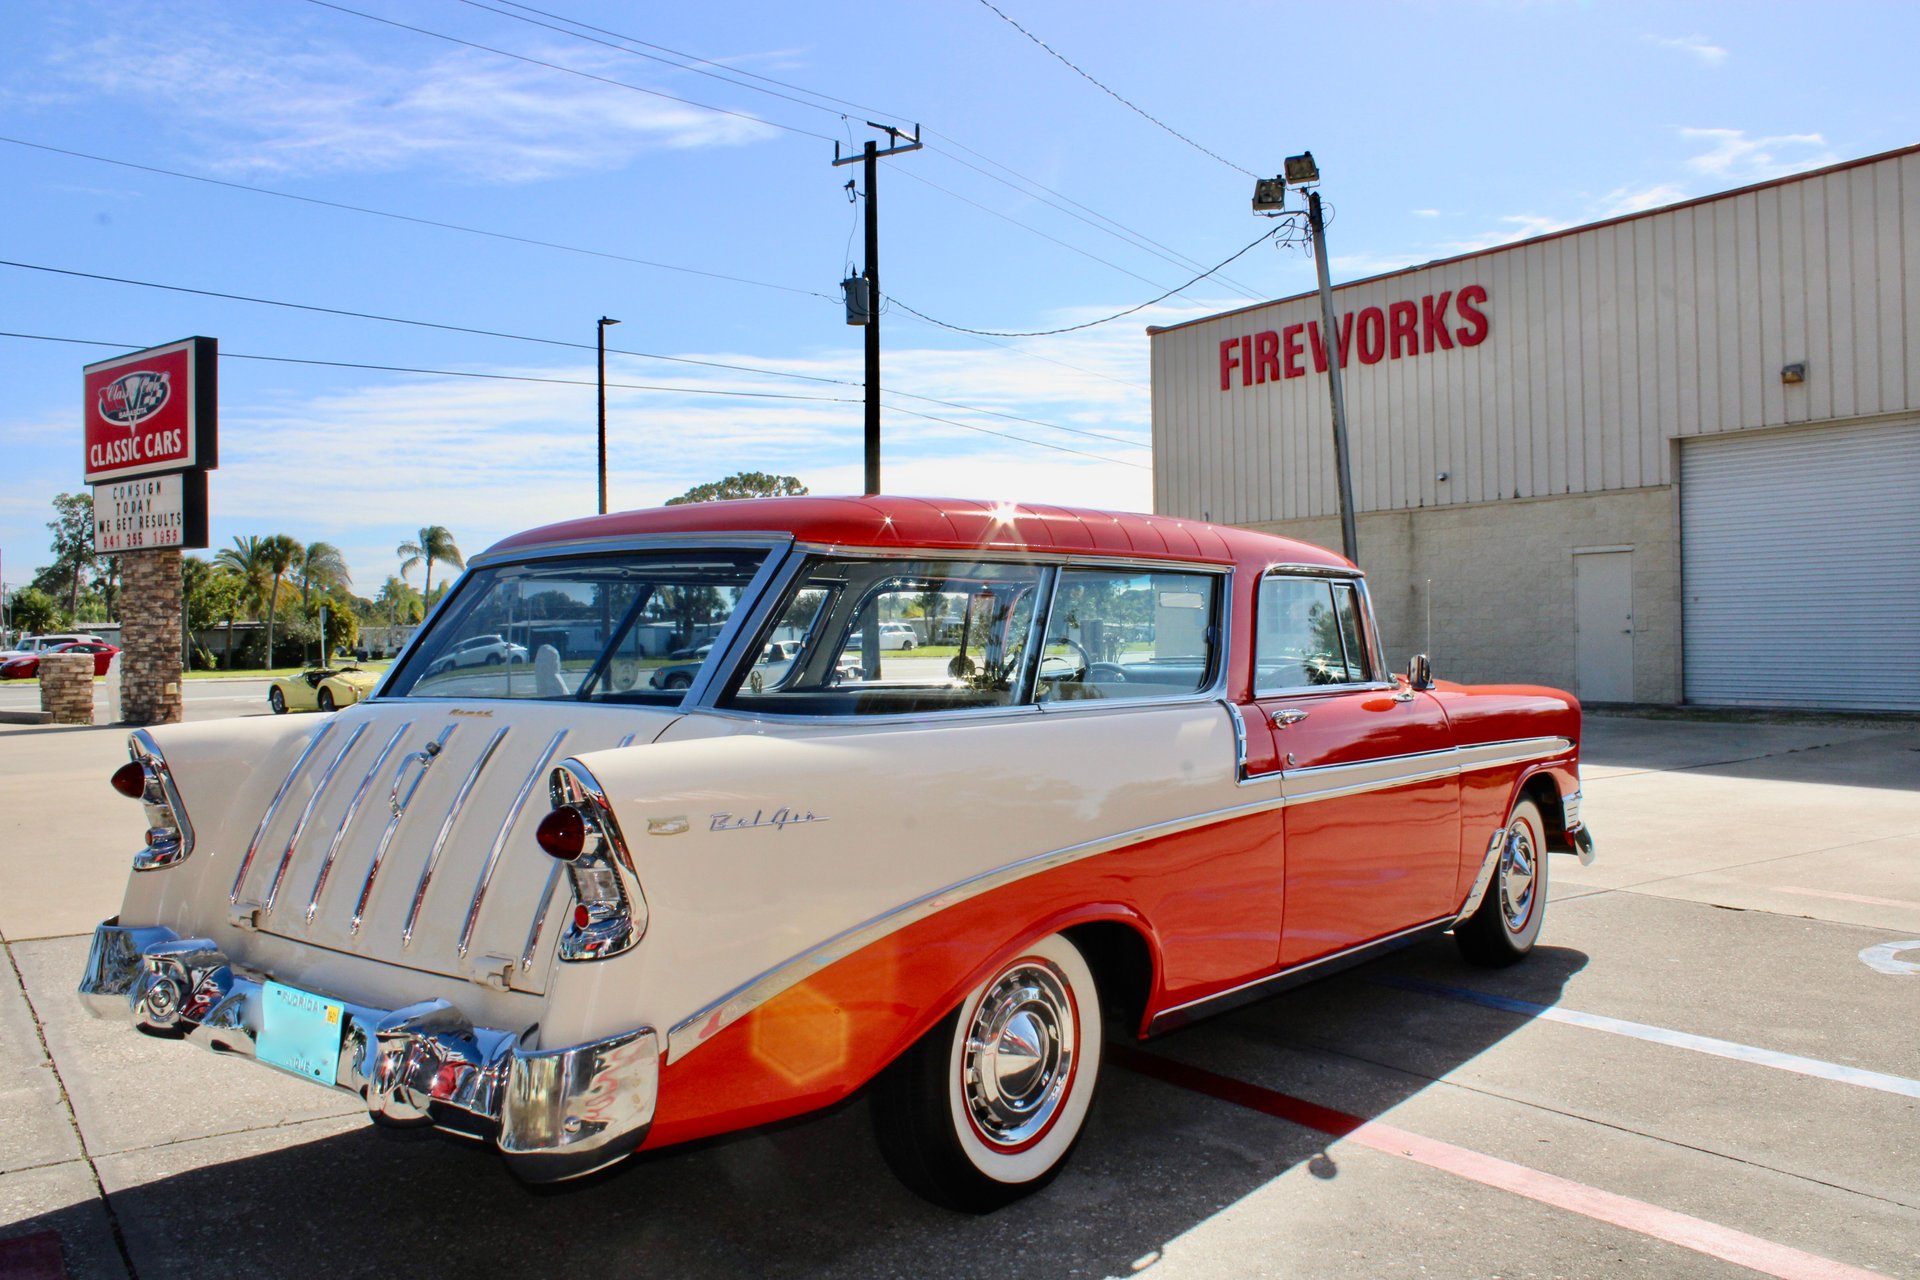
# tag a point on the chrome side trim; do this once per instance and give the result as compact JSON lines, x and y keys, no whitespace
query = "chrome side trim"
{"x":499,"y":844}
{"x":1335,"y":781}
{"x":398,"y":804}
{"x":1281,"y":979}
{"x":554,"y":1113}
{"x":273,"y":807}
{"x":306,"y":814}
{"x":1484,"y":876}
{"x":346,"y":820}
{"x":539,"y":918}
{"x":692,"y":1032}
{"x":446,"y":829}
{"x":141,"y":746}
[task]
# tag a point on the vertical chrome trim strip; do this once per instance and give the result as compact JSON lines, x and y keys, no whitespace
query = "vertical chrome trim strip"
{"x":306,"y":814}
{"x":273,"y":808}
{"x":500,"y":838}
{"x":346,"y":820}
{"x":539,"y":919}
{"x":399,"y":805}
{"x":446,"y":829}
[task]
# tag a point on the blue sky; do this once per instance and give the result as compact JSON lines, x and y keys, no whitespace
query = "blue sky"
{"x":1040,"y":201}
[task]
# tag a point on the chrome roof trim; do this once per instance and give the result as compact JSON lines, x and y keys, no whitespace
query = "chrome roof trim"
{"x":747,"y":541}
{"x":1018,"y":555}
{"x":1316,"y":570}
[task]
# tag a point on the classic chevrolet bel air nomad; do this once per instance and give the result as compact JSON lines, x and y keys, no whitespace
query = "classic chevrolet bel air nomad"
{"x":1132,"y":770}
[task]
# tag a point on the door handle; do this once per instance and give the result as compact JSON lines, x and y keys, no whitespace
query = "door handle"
{"x":1288,"y":715}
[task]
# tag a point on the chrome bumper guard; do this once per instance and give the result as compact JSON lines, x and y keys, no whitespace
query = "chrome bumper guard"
{"x":553,"y":1114}
{"x":1582,"y":842}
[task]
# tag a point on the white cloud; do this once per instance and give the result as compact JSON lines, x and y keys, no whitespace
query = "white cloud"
{"x":1511,"y":228}
{"x":1426,"y":213}
{"x":1699,"y":46}
{"x":271,"y":104}
{"x":1624,"y":200}
{"x":1355,"y":265}
{"x":1731,"y":156}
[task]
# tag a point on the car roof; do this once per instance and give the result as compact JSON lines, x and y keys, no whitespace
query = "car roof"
{"x":887,"y":521}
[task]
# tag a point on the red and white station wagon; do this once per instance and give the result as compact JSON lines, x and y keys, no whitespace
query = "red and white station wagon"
{"x":1137,"y":770}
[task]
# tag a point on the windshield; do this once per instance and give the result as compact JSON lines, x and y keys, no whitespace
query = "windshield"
{"x":625,"y":627}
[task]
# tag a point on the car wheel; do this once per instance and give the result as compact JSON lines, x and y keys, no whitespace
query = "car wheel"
{"x":679,"y":680}
{"x":1506,"y":924}
{"x":326,"y":699}
{"x":493,"y":659}
{"x":987,"y":1106}
{"x":278,"y":701}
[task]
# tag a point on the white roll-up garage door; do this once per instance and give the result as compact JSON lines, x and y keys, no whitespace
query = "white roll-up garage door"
{"x":1801,"y":556}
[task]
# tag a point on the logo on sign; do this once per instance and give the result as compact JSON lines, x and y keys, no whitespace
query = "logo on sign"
{"x":131,"y":399}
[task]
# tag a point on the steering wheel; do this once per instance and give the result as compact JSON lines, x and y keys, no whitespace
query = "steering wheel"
{"x":1082,"y":666}
{"x":1112,"y":672}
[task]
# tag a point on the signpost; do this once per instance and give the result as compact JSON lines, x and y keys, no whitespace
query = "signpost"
{"x":151,"y":435}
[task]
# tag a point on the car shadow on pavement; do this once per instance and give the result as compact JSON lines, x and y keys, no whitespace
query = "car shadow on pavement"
{"x":813,"y":1197}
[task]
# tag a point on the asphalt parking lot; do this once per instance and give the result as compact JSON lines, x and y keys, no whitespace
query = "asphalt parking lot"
{"x":1711,"y":1066}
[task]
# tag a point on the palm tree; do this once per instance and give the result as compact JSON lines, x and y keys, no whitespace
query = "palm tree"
{"x":247,"y":559}
{"x":320,"y":564}
{"x":278,"y":554}
{"x":436,"y":543}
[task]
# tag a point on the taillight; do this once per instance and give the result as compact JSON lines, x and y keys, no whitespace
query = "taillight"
{"x":609,"y":913}
{"x":562,"y":833}
{"x":130,"y":780}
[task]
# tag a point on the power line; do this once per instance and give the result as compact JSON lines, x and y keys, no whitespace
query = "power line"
{"x":1111,"y":94}
{"x":424,"y":222}
{"x":572,"y":71}
{"x":550,"y":342}
{"x":583,"y":382}
{"x":1044,"y":333}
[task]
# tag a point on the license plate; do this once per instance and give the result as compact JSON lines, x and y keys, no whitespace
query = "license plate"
{"x":300,"y":1032}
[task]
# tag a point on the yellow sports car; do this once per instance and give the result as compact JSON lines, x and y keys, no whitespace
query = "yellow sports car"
{"x":321,"y":689}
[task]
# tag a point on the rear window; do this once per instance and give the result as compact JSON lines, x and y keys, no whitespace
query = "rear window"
{"x":614,"y":628}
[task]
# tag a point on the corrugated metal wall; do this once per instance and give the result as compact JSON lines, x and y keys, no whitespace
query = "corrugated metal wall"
{"x":1603,"y":344}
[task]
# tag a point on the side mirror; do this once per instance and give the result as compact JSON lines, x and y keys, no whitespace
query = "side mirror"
{"x":1420,"y":672}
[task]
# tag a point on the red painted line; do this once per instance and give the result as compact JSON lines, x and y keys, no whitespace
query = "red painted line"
{"x":1697,"y":1234}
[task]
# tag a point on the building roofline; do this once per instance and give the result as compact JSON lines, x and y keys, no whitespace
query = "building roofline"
{"x":1155,"y":330}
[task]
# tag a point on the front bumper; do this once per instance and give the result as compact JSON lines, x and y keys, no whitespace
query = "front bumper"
{"x":552,"y":1113}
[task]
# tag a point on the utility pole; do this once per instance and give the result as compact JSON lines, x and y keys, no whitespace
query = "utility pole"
{"x":1269,"y":196}
{"x":600,"y":334}
{"x":870,"y":315}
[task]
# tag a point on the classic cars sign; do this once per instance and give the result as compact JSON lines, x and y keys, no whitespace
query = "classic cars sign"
{"x":152,"y":412}
{"x":150,"y":512}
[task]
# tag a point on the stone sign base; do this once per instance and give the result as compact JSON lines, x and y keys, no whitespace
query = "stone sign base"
{"x":66,"y":687}
{"x":150,"y":637}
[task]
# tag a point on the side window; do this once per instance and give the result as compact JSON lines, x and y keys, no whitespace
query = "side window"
{"x":1129,"y":635}
{"x":864,"y":636}
{"x":1308,"y":634}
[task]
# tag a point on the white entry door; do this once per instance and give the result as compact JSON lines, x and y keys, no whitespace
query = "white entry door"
{"x":1603,"y":623}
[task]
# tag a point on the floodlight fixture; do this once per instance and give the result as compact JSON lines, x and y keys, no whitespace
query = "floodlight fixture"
{"x":1301,"y":170}
{"x":1269,"y":195}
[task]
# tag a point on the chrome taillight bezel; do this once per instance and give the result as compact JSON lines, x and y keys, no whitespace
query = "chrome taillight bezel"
{"x":169,"y":833}
{"x":609,"y":914}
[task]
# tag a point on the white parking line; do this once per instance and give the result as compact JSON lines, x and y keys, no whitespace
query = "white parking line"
{"x":1676,"y":1039}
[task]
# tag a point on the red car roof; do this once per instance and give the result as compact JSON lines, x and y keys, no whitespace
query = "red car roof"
{"x":947,"y":524}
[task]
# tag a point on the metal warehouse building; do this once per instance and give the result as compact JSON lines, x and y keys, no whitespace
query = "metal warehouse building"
{"x":1672,"y":457}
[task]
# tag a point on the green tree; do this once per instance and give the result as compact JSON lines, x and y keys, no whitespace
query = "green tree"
{"x":742,"y":484}
{"x":73,"y":555}
{"x":246,"y":559}
{"x":436,"y":543}
{"x":279,"y":552}
{"x":32,"y":609}
{"x":401,"y":602}
{"x":210,"y":592}
{"x":320,"y":565}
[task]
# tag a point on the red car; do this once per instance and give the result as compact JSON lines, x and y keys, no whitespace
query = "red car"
{"x":27,"y":666}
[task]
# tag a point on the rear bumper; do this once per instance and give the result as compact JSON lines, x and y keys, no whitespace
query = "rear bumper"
{"x":553,"y":1114}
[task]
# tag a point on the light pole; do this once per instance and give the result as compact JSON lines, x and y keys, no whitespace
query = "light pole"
{"x":1269,"y":195}
{"x":600,"y":334}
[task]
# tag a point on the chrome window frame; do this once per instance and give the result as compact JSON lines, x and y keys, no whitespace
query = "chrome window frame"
{"x":1220,"y":657}
{"x":1369,"y":634}
{"x":799,"y":553}
{"x":776,"y":545}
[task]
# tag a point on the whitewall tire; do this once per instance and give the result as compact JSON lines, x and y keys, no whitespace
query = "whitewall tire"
{"x":989,"y":1104}
{"x":1507,"y":923}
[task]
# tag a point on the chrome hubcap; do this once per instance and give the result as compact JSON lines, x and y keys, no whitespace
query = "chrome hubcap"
{"x":1516,"y":878}
{"x":1018,"y":1058}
